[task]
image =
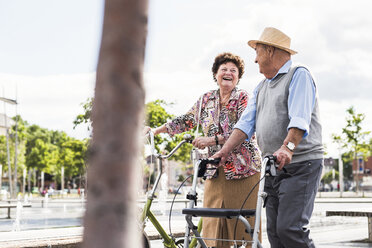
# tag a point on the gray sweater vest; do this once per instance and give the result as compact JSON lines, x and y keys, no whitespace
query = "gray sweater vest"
{"x":272,"y":120}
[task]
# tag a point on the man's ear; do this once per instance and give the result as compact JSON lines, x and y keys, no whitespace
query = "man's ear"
{"x":270,"y":51}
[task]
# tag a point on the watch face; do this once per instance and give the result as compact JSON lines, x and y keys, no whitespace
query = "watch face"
{"x":291,"y":146}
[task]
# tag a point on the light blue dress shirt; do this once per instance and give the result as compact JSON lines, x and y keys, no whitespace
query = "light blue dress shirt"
{"x":301,"y":101}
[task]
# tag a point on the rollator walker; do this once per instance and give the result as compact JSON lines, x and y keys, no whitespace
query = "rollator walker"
{"x":192,"y":232}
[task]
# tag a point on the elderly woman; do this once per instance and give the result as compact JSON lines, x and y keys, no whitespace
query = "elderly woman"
{"x":227,"y":186}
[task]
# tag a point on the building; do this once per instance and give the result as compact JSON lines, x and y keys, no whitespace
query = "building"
{"x":329,"y":165}
{"x":362,"y":172}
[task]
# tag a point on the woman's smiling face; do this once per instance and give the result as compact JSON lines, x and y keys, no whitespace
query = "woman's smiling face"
{"x":227,"y":75}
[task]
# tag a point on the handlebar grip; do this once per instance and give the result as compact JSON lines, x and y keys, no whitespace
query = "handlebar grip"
{"x":203,"y":165}
{"x":271,"y":158}
{"x":188,"y":138}
{"x":214,"y":161}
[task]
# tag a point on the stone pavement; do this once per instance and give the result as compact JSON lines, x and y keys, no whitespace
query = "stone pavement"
{"x":57,"y":238}
{"x":327,"y":232}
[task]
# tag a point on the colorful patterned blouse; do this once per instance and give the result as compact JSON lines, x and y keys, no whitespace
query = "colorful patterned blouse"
{"x":245,"y":159}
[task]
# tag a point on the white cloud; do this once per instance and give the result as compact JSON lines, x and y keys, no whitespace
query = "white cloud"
{"x":51,"y":101}
{"x":332,"y":37}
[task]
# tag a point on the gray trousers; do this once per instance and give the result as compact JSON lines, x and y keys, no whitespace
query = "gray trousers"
{"x":290,"y":204}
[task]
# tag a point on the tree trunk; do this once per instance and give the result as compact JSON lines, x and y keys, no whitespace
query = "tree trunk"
{"x":110,"y":218}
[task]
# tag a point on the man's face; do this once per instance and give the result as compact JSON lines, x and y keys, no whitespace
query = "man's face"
{"x":263,"y":60}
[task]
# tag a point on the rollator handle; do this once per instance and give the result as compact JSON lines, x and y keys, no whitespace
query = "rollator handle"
{"x":203,"y":165}
{"x":271,"y":166}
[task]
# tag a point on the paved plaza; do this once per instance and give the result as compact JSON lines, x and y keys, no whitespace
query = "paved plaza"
{"x":62,"y":220}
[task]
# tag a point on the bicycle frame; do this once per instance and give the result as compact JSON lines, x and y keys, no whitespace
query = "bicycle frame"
{"x":194,"y":241}
{"x":146,"y":213}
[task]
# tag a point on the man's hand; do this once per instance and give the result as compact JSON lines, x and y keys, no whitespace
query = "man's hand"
{"x":223,"y":153}
{"x":283,"y":156}
{"x":203,"y":142}
{"x":235,"y":139}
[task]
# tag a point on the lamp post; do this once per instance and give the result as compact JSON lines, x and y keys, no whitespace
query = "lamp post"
{"x":24,"y":182}
{"x":340,"y":171}
{"x":360,"y":169}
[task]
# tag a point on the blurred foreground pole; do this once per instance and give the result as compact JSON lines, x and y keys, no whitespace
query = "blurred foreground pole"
{"x":110,"y":218}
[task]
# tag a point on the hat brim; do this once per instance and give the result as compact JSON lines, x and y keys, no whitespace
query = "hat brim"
{"x":253,"y":44}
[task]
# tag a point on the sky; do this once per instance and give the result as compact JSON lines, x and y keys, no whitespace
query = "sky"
{"x":49,"y":53}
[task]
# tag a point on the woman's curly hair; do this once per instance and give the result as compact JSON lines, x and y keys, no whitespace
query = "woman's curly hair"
{"x":223,"y":58}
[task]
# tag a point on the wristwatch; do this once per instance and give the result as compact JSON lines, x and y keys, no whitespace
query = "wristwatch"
{"x":291,"y":146}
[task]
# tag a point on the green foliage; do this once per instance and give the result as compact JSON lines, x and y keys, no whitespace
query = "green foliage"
{"x":156,"y":115}
{"x":3,"y":155}
{"x":328,"y":177}
{"x":44,"y":150}
{"x":353,"y":139}
{"x":181,"y":178}
{"x":20,"y":146}
{"x":72,"y":156}
{"x":347,"y":159}
{"x":85,"y":117}
{"x":50,"y":150}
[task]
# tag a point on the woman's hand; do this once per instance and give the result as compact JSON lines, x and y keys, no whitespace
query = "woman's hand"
{"x":203,"y":142}
{"x":156,"y":131}
{"x":145,"y":130}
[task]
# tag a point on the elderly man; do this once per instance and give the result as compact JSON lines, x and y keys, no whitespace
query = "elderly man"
{"x":284,"y":113}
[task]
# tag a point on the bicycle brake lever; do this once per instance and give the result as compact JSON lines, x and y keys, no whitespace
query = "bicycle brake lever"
{"x":272,"y":166}
{"x":188,"y":138}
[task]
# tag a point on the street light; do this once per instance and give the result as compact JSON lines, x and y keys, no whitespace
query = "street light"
{"x":7,"y":100}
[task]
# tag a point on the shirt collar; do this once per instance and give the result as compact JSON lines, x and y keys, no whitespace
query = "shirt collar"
{"x":284,"y":69}
{"x":233,"y":96}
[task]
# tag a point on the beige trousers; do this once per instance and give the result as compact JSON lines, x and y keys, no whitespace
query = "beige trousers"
{"x":222,"y":193}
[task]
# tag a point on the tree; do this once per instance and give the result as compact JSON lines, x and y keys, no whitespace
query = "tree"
{"x":85,"y":117}
{"x":110,"y":218}
{"x":353,"y":138}
{"x":328,"y":177}
{"x":3,"y":156}
{"x":73,"y":158}
{"x":38,"y":147}
{"x":156,"y":115}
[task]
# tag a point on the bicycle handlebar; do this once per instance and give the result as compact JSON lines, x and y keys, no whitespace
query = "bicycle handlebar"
{"x":187,"y":138}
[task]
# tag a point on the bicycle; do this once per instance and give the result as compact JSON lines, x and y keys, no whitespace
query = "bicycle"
{"x":147,"y":214}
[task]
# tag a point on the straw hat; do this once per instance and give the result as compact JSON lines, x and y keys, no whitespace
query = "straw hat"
{"x":273,"y":37}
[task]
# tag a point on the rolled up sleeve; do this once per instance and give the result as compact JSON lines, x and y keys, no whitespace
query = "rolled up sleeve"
{"x":301,"y":100}
{"x":247,"y":121}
